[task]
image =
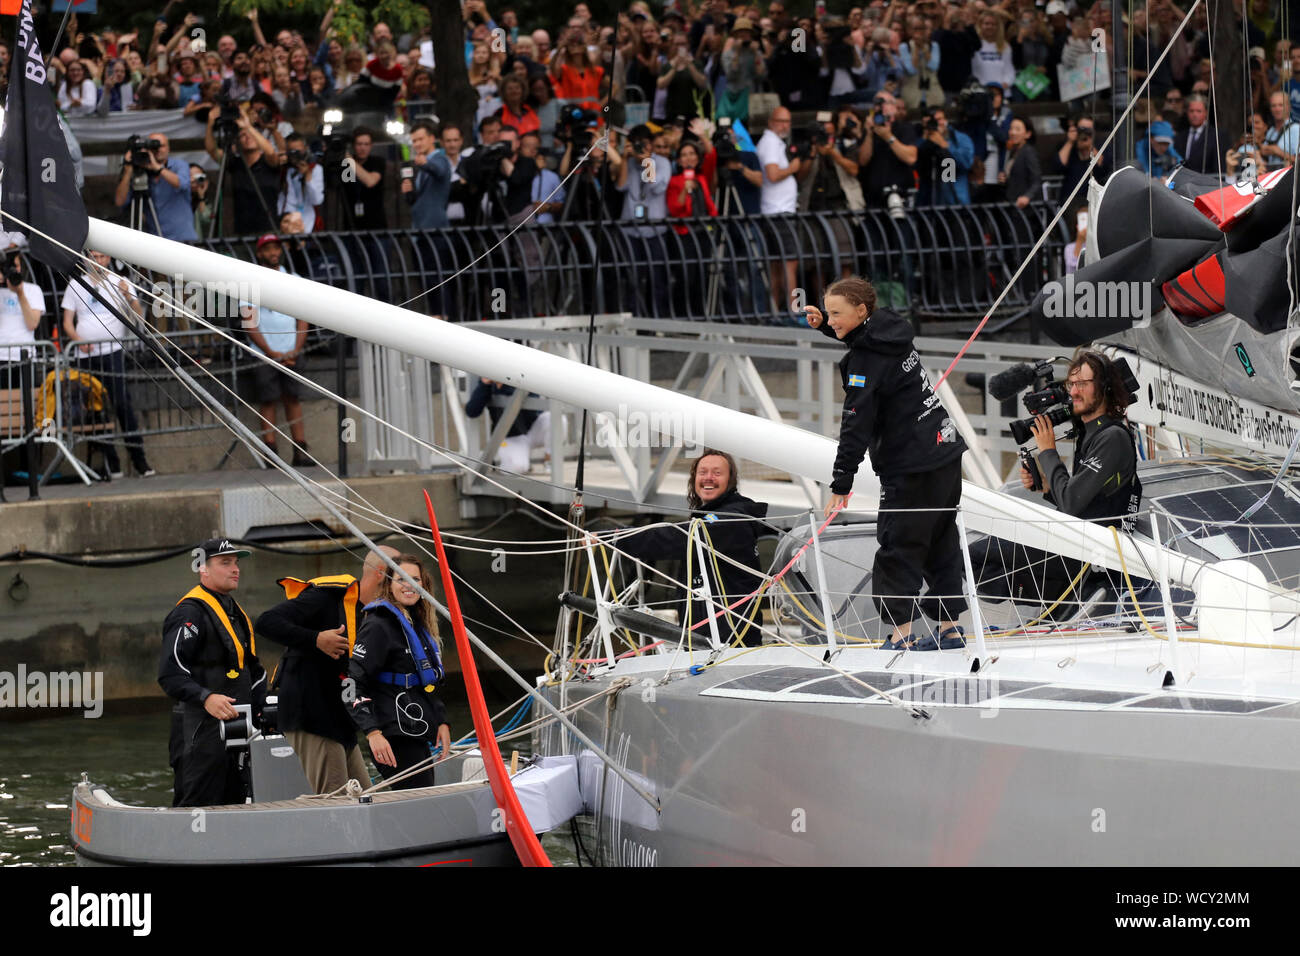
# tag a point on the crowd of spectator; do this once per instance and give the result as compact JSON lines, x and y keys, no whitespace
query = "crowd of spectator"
{"x":916,"y":102}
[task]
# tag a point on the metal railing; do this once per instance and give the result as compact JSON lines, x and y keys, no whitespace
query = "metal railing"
{"x":83,"y":396}
{"x":946,"y":262}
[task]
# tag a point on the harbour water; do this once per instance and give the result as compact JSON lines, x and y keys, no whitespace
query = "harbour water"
{"x":126,"y":752}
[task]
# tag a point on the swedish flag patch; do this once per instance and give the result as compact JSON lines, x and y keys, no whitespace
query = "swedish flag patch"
{"x":857,"y":381}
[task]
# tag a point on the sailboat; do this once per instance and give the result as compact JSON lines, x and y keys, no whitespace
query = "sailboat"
{"x":1146,"y":725}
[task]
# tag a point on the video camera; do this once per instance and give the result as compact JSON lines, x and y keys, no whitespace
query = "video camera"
{"x":227,"y":123}
{"x":724,"y":141}
{"x":974,"y":103}
{"x":1046,"y":396}
{"x":577,"y":125}
{"x":140,"y":151}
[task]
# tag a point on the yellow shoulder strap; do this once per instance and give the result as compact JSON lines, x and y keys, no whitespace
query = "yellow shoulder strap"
{"x":201,"y":595}
{"x":351,"y":597}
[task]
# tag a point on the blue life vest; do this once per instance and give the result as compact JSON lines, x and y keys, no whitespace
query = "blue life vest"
{"x":424,"y":651}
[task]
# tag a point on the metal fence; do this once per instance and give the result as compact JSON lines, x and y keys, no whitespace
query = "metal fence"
{"x":90,"y":397}
{"x":935,"y":262}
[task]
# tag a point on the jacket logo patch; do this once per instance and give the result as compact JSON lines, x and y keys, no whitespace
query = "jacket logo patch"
{"x":710,"y":517}
{"x":857,"y":381}
{"x":1092,"y":463}
{"x":358,"y":651}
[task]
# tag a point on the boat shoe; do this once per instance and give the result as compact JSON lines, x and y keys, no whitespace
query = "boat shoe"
{"x":942,"y":642}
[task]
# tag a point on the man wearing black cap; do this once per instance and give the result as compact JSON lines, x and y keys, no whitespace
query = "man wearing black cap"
{"x":318,"y":625}
{"x":209,"y":665}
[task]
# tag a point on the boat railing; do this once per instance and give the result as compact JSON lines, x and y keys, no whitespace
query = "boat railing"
{"x":1139,"y":592}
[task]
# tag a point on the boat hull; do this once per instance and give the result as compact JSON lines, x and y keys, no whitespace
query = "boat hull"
{"x":798,"y":782}
{"x":451,"y":824}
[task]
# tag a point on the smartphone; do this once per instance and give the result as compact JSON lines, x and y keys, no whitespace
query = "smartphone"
{"x":1082,"y":221}
{"x":638,"y":211}
{"x":825,"y":116}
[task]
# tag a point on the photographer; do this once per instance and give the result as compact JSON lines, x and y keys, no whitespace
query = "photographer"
{"x":303,"y":188}
{"x":644,"y":201}
{"x":834,"y":175}
{"x":1076,"y":153}
{"x":888,"y":155}
{"x":426,"y":182}
{"x":252,"y":165}
{"x":1247,"y":145}
{"x":169,"y":187}
{"x":21,"y":306}
{"x":944,"y":158}
{"x":1102,"y":484}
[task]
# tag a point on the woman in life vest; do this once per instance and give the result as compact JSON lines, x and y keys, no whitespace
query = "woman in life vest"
{"x":395,"y":667}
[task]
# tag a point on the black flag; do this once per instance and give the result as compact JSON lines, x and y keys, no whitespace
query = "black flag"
{"x":40,"y":183}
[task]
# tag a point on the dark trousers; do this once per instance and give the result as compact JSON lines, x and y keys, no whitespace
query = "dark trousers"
{"x":408,"y":751}
{"x":110,"y":369}
{"x":210,"y":774}
{"x":918,"y":547}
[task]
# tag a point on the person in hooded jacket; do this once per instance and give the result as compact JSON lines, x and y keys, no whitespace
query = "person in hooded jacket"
{"x":729,"y":518}
{"x":395,"y":668}
{"x":892,"y":413}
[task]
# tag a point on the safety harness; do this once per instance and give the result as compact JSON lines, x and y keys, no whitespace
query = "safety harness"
{"x":424,"y":652}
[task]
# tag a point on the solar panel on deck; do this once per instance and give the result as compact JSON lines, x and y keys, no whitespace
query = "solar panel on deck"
{"x":1077,"y":695}
{"x":1205,"y":704}
{"x":777,"y":679}
{"x":1208,"y":512}
{"x":840,"y":686}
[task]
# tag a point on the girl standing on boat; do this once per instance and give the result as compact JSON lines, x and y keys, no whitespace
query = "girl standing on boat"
{"x":892,"y":413}
{"x":396,"y":665}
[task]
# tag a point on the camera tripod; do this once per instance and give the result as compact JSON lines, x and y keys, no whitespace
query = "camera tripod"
{"x":142,"y":203}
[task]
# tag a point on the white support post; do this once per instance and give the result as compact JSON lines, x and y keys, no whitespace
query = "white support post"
{"x":972,"y":598}
{"x":821,"y":587}
{"x":1171,"y":619}
{"x":706,"y":592}
{"x":603,"y":620}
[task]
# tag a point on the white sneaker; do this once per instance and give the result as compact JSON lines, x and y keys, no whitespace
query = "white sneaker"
{"x":117,"y":474}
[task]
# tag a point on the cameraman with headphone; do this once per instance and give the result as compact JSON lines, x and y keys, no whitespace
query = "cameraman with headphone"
{"x":1102,"y":484}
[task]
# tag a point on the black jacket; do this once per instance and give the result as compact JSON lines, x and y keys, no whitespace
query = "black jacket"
{"x":1103,"y":481}
{"x":737,"y":539}
{"x":310,"y":682}
{"x":1206,"y":156}
{"x":890,"y":410}
{"x":381,"y":647}
{"x":198,"y":655}
{"x":1026,"y":176}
